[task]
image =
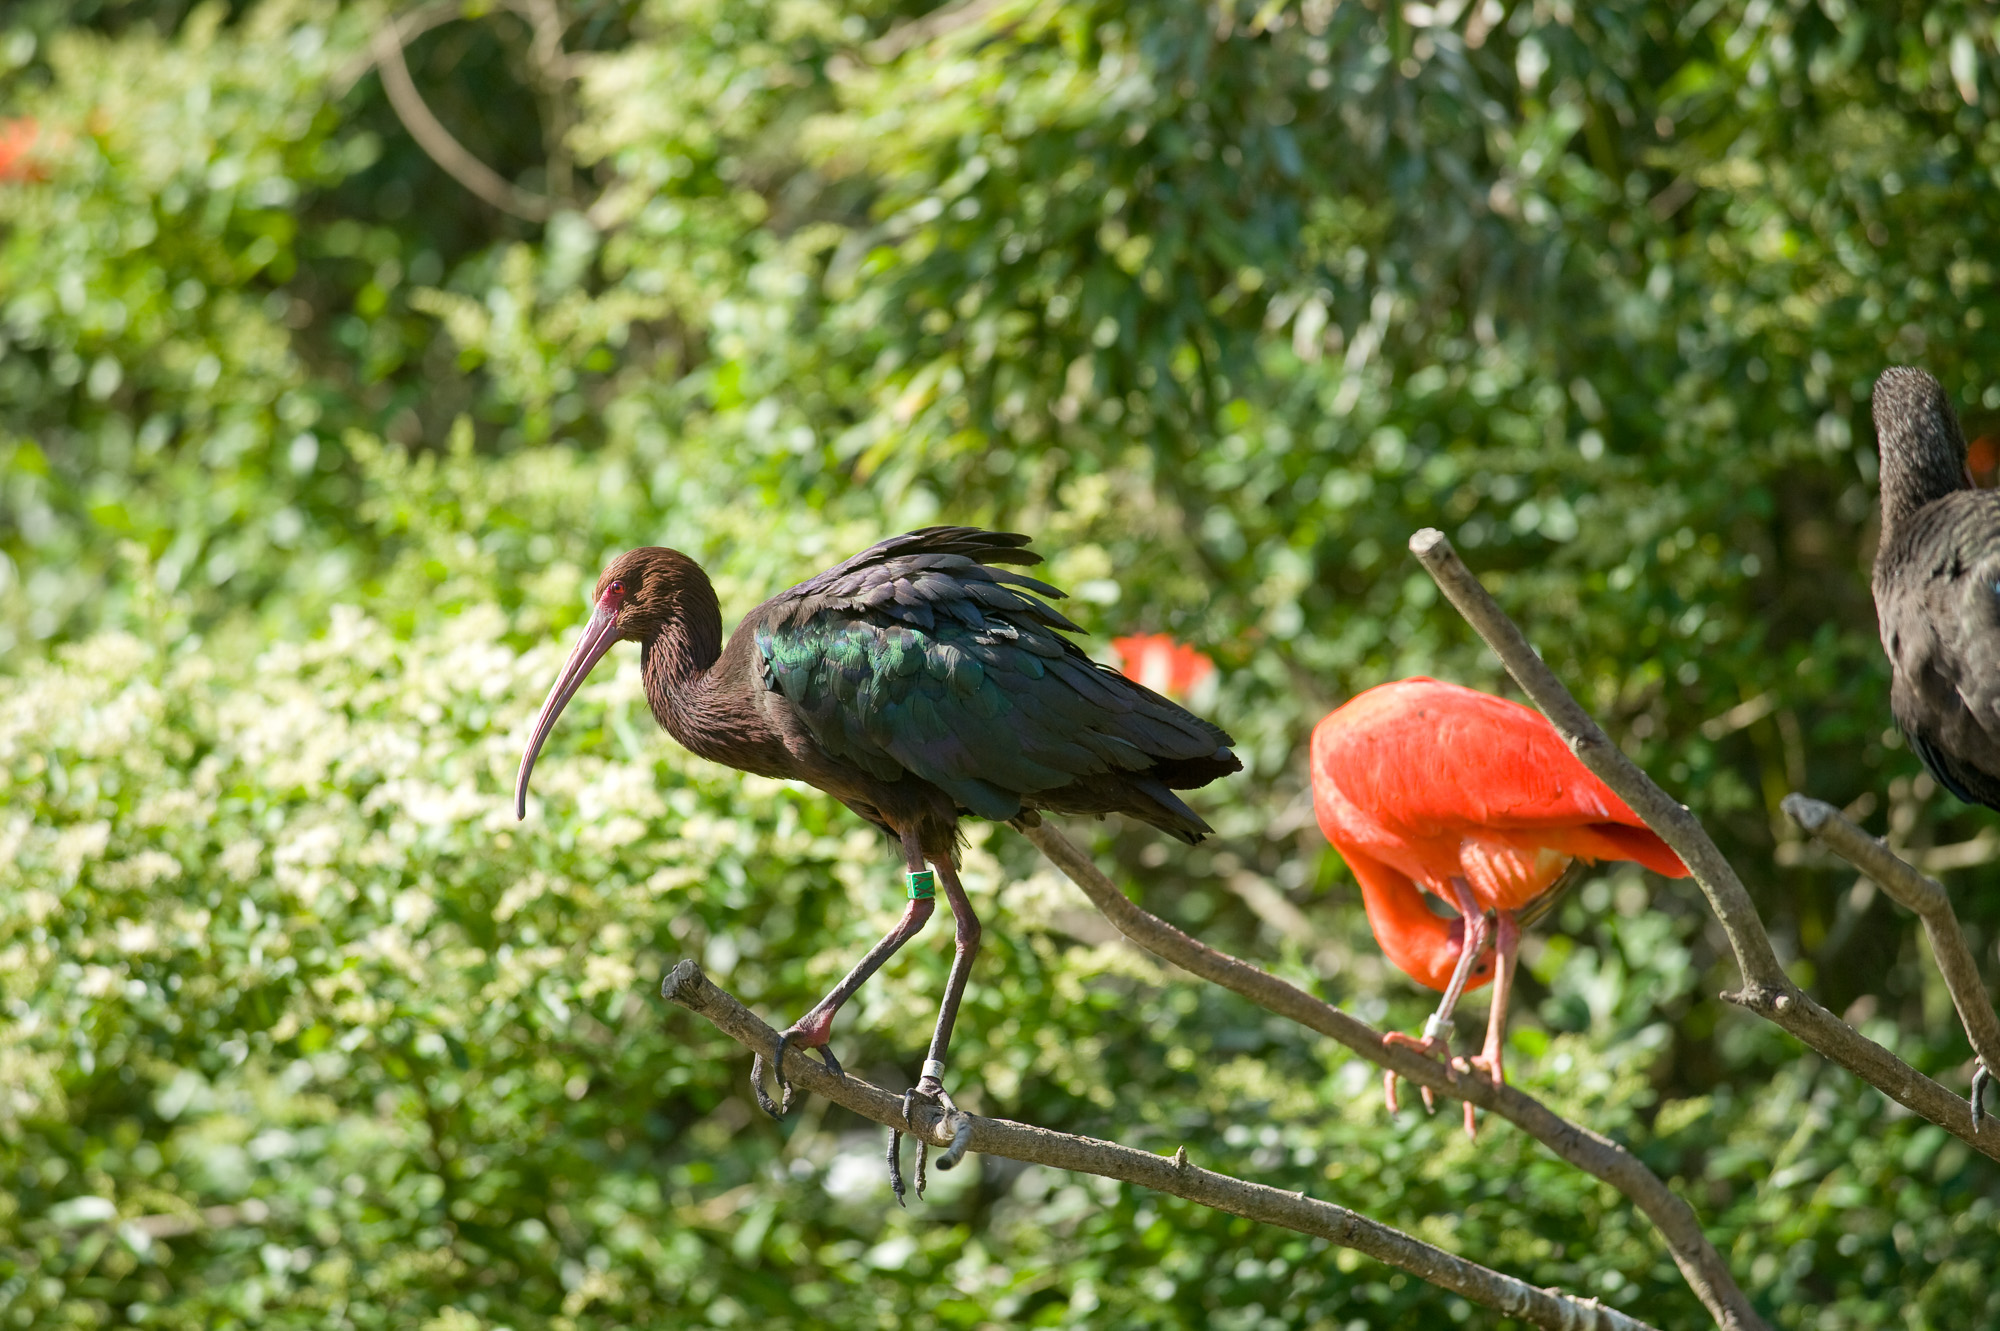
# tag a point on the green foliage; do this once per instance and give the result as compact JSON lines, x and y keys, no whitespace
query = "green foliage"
{"x":305,"y":457}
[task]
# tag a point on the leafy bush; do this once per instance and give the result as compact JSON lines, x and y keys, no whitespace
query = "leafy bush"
{"x":305,"y":456}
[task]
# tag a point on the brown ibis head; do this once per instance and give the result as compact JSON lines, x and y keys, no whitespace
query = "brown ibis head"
{"x":640,"y":596}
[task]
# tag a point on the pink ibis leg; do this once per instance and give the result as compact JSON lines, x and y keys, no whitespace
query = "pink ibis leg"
{"x":813,"y":1030}
{"x":1437,"y":1031}
{"x":1506,"y":946}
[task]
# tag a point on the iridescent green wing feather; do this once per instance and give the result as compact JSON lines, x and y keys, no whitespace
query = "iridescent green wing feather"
{"x":916,"y":656}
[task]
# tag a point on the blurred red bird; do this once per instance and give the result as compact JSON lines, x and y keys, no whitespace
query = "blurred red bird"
{"x":17,"y":139}
{"x":1161,"y":664}
{"x":1430,"y":787}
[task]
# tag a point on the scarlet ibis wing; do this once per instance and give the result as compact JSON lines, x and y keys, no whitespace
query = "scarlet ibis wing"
{"x":1419,"y":769}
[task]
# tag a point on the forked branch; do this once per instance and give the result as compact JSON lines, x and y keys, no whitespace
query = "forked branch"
{"x":1589,"y":1151}
{"x":1927,"y":897}
{"x":1767,"y":990}
{"x":1553,"y":1309}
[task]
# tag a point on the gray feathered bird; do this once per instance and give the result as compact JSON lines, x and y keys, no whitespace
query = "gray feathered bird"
{"x":1937,"y":588}
{"x":1937,"y":597}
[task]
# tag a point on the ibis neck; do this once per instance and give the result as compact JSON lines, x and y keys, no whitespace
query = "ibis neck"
{"x":1923,"y":460}
{"x":677,"y":661}
{"x":1421,"y":943}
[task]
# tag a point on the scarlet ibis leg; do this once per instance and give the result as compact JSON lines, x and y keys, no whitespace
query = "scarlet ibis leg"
{"x":930,"y":1086}
{"x":1506,"y":942}
{"x":1437,"y":1030}
{"x":813,"y":1030}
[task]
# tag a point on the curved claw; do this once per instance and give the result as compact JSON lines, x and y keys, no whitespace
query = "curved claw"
{"x":783,"y":1106}
{"x":1429,"y":1044}
{"x":1495,"y":1069}
{"x":961,"y":1137}
{"x":1980,"y":1078}
{"x":954,"y":1120}
{"x":896,"y":1165}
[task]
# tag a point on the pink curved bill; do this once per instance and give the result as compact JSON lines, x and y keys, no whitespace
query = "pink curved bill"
{"x":598,"y":636}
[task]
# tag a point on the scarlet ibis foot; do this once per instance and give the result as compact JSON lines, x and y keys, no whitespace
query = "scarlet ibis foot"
{"x":1506,"y":944}
{"x":1437,"y":1030}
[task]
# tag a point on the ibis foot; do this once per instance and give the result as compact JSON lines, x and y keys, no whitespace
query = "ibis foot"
{"x":808,"y":1034}
{"x":1980,"y":1078}
{"x":1435,"y":1042}
{"x":1488,"y":1062}
{"x":955,"y":1121}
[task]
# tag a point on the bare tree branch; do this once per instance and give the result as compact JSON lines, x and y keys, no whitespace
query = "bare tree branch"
{"x":1932,"y":904}
{"x":1591,"y":1152}
{"x":436,"y":140}
{"x":937,"y":23}
{"x":1553,"y":1309}
{"x":554,"y":70}
{"x":1767,"y":990}
{"x":410,"y":25}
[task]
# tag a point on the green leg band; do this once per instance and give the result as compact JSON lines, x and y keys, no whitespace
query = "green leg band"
{"x":923,"y":885}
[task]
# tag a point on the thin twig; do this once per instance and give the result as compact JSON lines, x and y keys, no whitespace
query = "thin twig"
{"x":410,"y":25}
{"x":1927,"y":897}
{"x":436,"y":140}
{"x":1767,"y":990}
{"x":1591,"y":1152}
{"x":689,"y":987}
{"x":939,"y":22}
{"x":554,"y":71}
{"x":172,"y":1225}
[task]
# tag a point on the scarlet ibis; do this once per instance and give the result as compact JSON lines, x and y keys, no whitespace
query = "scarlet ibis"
{"x":1161,"y":664}
{"x":17,"y":141}
{"x":1937,"y":596}
{"x":917,"y":684}
{"x":1430,"y":787}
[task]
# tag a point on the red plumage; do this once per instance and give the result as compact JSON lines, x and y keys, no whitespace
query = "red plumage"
{"x":1426,"y":785}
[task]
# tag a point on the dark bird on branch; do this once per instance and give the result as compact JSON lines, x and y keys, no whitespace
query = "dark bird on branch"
{"x":1937,"y":588}
{"x":1937,"y":596}
{"x":1430,"y":787}
{"x":917,"y":684}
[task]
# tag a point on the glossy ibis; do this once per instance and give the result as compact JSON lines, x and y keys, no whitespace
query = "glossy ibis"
{"x":1937,"y":588}
{"x":917,"y":683}
{"x":1937,"y":595}
{"x":1430,"y":787}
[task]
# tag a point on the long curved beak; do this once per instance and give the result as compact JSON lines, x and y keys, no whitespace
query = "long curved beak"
{"x":598,"y":636}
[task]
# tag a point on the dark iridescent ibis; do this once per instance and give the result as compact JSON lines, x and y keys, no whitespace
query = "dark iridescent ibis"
{"x":1430,"y":787}
{"x":1937,"y":588}
{"x":1937,"y":594}
{"x":917,"y":683}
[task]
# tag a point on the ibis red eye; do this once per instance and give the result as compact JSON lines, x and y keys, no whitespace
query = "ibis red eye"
{"x":617,"y":587}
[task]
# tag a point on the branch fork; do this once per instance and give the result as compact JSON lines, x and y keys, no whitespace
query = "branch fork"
{"x":1766,"y":990}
